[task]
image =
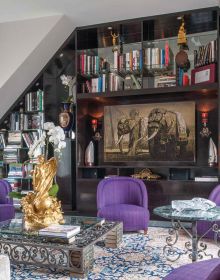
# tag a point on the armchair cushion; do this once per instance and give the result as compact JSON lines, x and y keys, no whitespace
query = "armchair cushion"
{"x":204,"y":270}
{"x":132,"y":216}
{"x":7,"y":212}
{"x":124,"y":199}
{"x":5,"y":189}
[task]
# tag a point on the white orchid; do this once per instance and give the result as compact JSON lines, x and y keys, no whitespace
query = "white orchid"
{"x":67,"y":80}
{"x":49,"y":125}
{"x":52,"y":134}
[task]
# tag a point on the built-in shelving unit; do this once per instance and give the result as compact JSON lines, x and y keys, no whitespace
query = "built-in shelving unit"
{"x":138,"y":38}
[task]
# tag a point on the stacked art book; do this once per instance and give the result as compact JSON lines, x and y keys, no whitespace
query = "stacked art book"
{"x":60,"y":233}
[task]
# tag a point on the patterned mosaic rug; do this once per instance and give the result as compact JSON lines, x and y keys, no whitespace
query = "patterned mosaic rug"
{"x":140,"y":257}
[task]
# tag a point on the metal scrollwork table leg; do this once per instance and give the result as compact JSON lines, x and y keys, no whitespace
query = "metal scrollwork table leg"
{"x":195,"y":247}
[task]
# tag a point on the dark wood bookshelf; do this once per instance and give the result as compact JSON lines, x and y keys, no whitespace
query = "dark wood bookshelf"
{"x":141,"y":32}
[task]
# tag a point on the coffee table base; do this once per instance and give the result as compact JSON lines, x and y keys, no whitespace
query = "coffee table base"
{"x":78,"y":261}
{"x":196,"y":248}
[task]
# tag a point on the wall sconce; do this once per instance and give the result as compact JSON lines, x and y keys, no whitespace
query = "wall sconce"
{"x":205,"y":132}
{"x":97,"y":136}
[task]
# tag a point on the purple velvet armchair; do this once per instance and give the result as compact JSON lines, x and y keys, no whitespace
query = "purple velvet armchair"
{"x":124,"y":199}
{"x":7,"y":210}
{"x":204,"y":270}
{"x":203,"y":226}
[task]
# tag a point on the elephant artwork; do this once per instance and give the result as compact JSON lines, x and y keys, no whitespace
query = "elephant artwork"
{"x":150,"y":132}
{"x":170,"y":134}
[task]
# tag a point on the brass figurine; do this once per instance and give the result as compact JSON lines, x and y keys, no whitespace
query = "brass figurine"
{"x":114,"y":37}
{"x":182,"y":40}
{"x":146,"y":174}
{"x":39,"y":208}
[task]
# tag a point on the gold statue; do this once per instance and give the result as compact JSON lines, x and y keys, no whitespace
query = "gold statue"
{"x":182,"y":40}
{"x":39,"y":208}
{"x":114,"y":37}
{"x":146,"y":174}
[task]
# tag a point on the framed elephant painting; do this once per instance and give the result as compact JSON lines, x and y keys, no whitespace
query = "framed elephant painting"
{"x":150,"y":132}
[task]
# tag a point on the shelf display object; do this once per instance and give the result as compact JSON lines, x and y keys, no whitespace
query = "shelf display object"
{"x":160,"y":79}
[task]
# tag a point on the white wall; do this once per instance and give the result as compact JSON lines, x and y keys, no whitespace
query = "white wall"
{"x":25,"y":47}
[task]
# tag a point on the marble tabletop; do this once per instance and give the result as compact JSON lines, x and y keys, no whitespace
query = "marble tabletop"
{"x":167,"y":212}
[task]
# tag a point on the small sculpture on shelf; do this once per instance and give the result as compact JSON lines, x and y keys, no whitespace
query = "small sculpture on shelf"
{"x":114,"y":37}
{"x":146,"y":174}
{"x":182,"y":40}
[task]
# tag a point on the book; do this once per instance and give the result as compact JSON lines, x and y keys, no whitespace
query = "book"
{"x":61,"y":240}
{"x":206,"y":179}
{"x":65,"y":231}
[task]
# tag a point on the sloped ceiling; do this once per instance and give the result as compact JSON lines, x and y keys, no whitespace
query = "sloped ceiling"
{"x":31,"y":31}
{"x":84,"y":12}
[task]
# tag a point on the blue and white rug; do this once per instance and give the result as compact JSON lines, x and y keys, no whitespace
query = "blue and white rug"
{"x":140,"y":257}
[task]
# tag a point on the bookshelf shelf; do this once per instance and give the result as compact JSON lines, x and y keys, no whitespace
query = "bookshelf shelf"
{"x":198,"y":89}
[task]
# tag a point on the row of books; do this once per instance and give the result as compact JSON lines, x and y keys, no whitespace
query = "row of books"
{"x":158,"y":58}
{"x":34,"y":101}
{"x":22,"y":121}
{"x":90,"y":64}
{"x":206,"y":54}
{"x":2,"y":140}
{"x":129,"y":61}
{"x":96,"y":84}
{"x":19,"y":170}
{"x":29,"y":137}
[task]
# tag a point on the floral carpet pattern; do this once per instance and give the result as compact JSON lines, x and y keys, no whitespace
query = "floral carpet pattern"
{"x":140,"y":257}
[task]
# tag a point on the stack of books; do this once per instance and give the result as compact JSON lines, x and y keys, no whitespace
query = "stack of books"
{"x":14,"y":139}
{"x":10,"y":155}
{"x":166,"y":81}
{"x":60,"y":233}
{"x":15,"y":170}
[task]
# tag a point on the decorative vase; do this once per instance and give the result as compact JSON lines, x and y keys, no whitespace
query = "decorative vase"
{"x":213,"y":156}
{"x":90,"y":154}
{"x":66,"y":117}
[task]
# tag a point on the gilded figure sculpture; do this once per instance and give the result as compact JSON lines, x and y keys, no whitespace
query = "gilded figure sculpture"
{"x":182,"y":40}
{"x":114,"y":37}
{"x":39,"y":208}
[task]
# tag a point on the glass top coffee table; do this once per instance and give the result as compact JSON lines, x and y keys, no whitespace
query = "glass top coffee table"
{"x":29,"y":248}
{"x":196,"y":247}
